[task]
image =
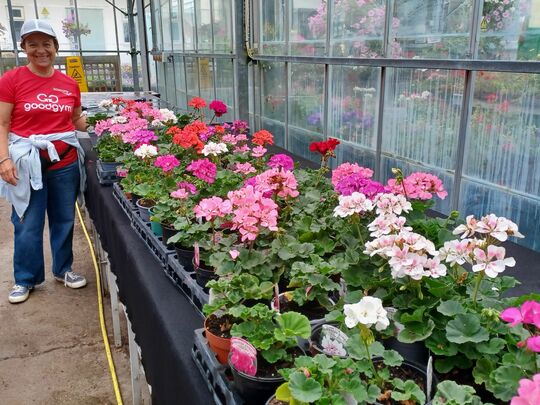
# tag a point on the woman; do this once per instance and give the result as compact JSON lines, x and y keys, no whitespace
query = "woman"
{"x":40,"y":160}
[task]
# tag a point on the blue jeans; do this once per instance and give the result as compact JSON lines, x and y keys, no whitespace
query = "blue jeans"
{"x":56,"y":198}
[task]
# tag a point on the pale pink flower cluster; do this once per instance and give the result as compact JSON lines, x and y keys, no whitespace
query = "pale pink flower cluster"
{"x":346,"y":169}
{"x":356,"y":203}
{"x":408,"y":254}
{"x":387,"y":224}
{"x":167,"y":116}
{"x":499,"y":228}
{"x":528,"y":392}
{"x":244,"y":168}
{"x":184,"y":191}
{"x":252,"y":212}
{"x":258,"y":151}
{"x":277,"y":181}
{"x":214,"y":148}
{"x":213,"y":207}
{"x":388,"y":204}
{"x":146,"y":151}
{"x":419,"y":185}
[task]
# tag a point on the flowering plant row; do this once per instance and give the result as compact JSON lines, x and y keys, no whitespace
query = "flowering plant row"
{"x":363,"y":254}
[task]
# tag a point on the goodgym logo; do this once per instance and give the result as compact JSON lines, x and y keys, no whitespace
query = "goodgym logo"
{"x":48,"y":102}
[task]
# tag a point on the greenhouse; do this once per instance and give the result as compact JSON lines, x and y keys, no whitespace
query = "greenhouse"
{"x":279,"y":201}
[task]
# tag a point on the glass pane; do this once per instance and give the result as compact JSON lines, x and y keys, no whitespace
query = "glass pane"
{"x":407,"y":168}
{"x":272,"y":24}
{"x":225,"y":86}
{"x":357,"y":27}
{"x":189,"y":25}
{"x":180,"y":81}
{"x":206,"y":78}
{"x":222,"y":26}
{"x":306,"y":97}
{"x":192,"y":77}
{"x":204,"y":25}
{"x":504,"y":142}
{"x":299,"y":140}
{"x":353,"y":104}
{"x":159,"y":27}
{"x":161,"y":85}
{"x":166,"y":25}
{"x":350,"y":152}
{"x":274,"y":90}
{"x":303,"y":40}
{"x":169,"y":82}
{"x":421,"y":115}
{"x":277,"y":129}
{"x":480,"y":200}
{"x":432,"y":29}
{"x":176,"y":26}
{"x":509,"y":30}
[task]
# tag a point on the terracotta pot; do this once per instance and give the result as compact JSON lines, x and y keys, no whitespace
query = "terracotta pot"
{"x":220,"y":346}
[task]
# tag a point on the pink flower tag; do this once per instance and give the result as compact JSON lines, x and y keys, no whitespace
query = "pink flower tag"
{"x":196,"y":255}
{"x":243,"y":356}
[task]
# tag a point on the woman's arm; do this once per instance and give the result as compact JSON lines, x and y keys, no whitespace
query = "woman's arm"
{"x":79,"y":119}
{"x":8,"y":172}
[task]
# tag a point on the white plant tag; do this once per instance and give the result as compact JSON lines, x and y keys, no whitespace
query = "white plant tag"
{"x":429,"y":374}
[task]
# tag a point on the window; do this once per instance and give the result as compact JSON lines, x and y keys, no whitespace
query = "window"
{"x":18,"y":20}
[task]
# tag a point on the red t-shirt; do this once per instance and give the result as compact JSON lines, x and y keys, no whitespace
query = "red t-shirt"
{"x":42,"y":105}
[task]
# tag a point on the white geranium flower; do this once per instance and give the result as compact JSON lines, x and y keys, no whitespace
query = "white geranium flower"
{"x":369,"y":311}
{"x":106,"y":104}
{"x":145,"y":151}
{"x":356,"y":203}
{"x":119,"y":119}
{"x":213,"y":148}
{"x":168,"y":115}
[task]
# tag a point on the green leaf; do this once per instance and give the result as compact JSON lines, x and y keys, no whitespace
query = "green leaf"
{"x":293,"y":324}
{"x":303,"y":388}
{"x":494,"y":346}
{"x":504,"y":381}
{"x":450,"y":308}
{"x":283,"y":393}
{"x":416,"y":316}
{"x":446,"y":364}
{"x":407,"y":390}
{"x":451,"y":393}
{"x":414,"y":332}
{"x":392,"y":358}
{"x":439,"y":345}
{"x":482,"y":370}
{"x":466,"y":328}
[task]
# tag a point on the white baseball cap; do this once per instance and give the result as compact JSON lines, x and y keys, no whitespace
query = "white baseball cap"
{"x":31,"y":26}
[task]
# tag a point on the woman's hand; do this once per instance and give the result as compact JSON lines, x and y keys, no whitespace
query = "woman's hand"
{"x":8,"y":172}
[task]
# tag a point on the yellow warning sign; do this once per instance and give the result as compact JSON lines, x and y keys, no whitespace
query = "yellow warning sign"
{"x":75,"y":70}
{"x":483,"y":24}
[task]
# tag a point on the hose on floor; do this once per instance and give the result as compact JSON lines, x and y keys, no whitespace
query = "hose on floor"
{"x":110,"y":360}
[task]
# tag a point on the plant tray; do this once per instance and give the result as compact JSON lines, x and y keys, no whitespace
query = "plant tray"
{"x":105,"y":177}
{"x":127,"y":206}
{"x":185,"y":281}
{"x":217,"y":376}
{"x":158,"y":249}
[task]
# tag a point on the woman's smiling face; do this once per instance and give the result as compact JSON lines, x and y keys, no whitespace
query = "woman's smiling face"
{"x":40,"y":50}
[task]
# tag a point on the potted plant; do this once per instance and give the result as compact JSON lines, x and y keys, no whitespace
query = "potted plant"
{"x":274,"y":335}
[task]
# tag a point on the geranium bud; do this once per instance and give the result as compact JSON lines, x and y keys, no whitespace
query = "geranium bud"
{"x":307,"y":373}
{"x":348,"y":370}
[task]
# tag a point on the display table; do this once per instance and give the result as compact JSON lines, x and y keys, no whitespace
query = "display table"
{"x":162,"y":318}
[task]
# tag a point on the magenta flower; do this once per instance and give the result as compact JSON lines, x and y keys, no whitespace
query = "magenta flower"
{"x":139,"y":136}
{"x":531,"y":313}
{"x":356,"y":182}
{"x":281,"y":160}
{"x":167,"y":162}
{"x":419,"y":185}
{"x":512,"y":316}
{"x":243,"y":362}
{"x":533,"y":344}
{"x":204,"y":169}
{"x":219,"y":107}
{"x":528,"y":392}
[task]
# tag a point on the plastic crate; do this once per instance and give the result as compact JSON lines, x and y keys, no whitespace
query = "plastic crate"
{"x":127,"y":206}
{"x":105,"y":177}
{"x":158,"y":249}
{"x":217,"y":375}
{"x":185,"y":281}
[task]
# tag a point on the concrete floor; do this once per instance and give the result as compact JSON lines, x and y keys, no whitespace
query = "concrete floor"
{"x":51,"y":347}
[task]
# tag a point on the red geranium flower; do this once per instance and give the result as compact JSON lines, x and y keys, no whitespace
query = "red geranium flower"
{"x":197,"y":103}
{"x":263,"y":137}
{"x":324,"y":147}
{"x":219,"y":107}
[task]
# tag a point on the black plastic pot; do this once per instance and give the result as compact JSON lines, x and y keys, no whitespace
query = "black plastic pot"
{"x":314,"y":339}
{"x":185,"y":257}
{"x":255,"y":390}
{"x":144,"y":210}
{"x":203,"y":274}
{"x":168,"y":231}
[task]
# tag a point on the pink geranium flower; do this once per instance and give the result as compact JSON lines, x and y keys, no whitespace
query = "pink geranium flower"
{"x":167,"y":162}
{"x":204,"y":169}
{"x":528,"y":392}
{"x":213,"y":207}
{"x":533,"y":344}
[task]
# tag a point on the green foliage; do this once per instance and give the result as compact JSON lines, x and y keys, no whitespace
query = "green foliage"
{"x":110,"y":147}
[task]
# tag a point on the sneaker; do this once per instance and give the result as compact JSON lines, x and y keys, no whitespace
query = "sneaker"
{"x":72,"y":280}
{"x":19,"y":293}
